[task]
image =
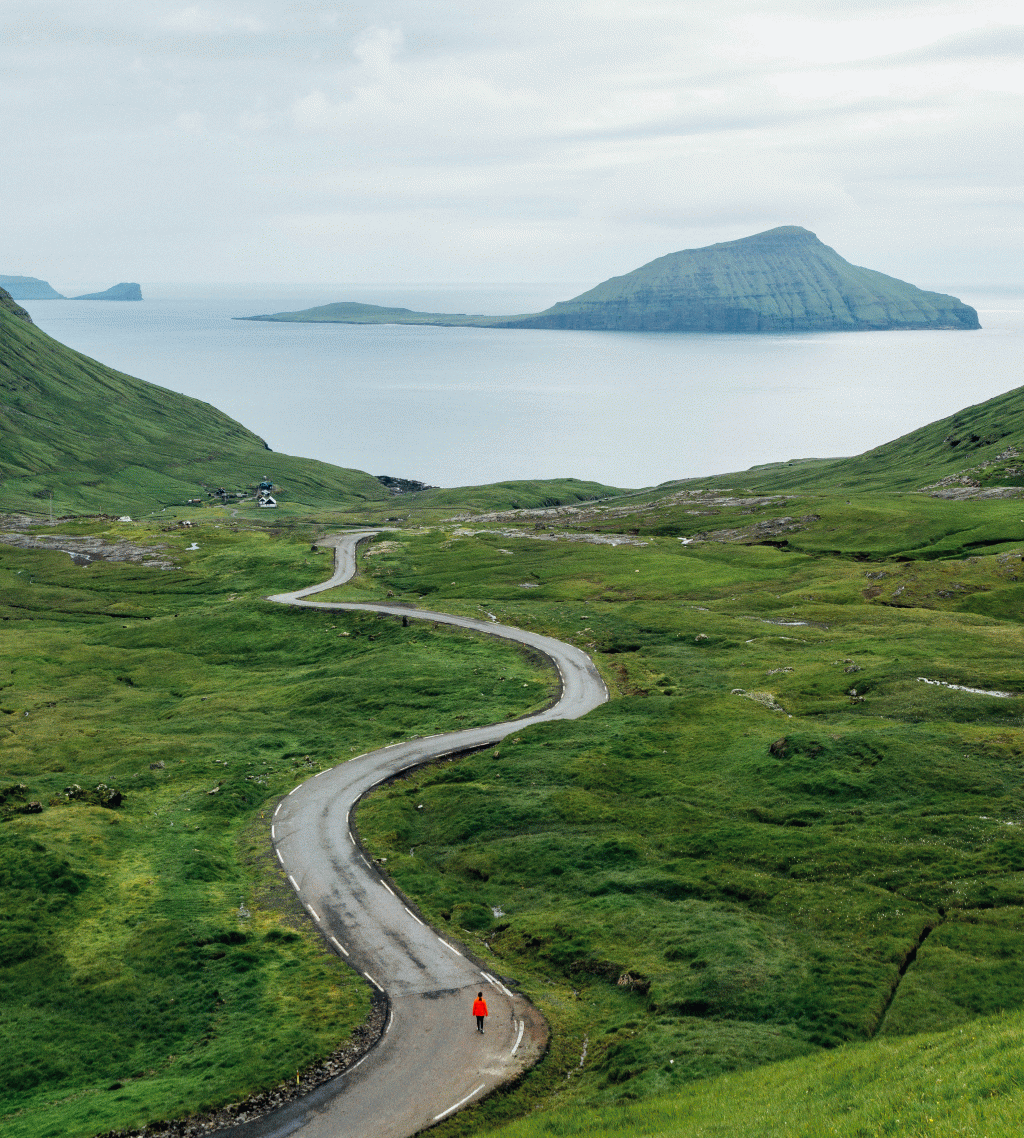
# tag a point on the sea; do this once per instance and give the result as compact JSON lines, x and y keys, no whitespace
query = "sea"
{"x":465,"y":406}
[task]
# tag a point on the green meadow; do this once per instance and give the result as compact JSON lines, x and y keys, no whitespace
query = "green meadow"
{"x":774,"y":885}
{"x":776,"y":840}
{"x":152,"y":960}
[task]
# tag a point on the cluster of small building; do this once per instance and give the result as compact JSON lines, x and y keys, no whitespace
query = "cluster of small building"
{"x":264,"y":496}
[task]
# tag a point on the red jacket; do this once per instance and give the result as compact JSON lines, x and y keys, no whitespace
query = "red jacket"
{"x":479,"y":1007}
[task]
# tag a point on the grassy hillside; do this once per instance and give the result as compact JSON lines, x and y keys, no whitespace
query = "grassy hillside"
{"x":775,"y":840}
{"x":776,"y":849}
{"x":153,"y":960}
{"x":964,"y":1083}
{"x":99,"y":440}
{"x":775,"y":884}
{"x":981,"y":446}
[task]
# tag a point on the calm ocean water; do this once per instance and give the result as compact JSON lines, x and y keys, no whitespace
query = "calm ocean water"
{"x":458,"y":406}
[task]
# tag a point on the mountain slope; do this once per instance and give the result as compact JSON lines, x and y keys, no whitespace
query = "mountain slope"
{"x":783,"y":280}
{"x":979,"y":446}
{"x":99,"y":440}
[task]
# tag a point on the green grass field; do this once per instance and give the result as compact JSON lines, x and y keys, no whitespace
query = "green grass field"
{"x":776,"y":864}
{"x":152,"y":962}
{"x":963,"y":1083}
{"x":775,"y":842}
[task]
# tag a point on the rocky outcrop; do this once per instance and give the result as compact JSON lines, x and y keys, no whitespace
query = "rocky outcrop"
{"x":87,"y":549}
{"x":8,"y":305}
{"x":124,"y":291}
{"x":403,"y":485}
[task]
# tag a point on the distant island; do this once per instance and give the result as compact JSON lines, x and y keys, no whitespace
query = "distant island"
{"x":124,"y":291}
{"x":29,"y":288}
{"x":783,"y":280}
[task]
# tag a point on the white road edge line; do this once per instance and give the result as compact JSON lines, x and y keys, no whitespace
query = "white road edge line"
{"x":278,"y":810}
{"x":519,"y":1037}
{"x":489,"y":978}
{"x":313,"y":913}
{"x":452,"y":947}
{"x":391,"y":891}
{"x":294,"y":882}
{"x":337,"y":944}
{"x":373,"y":982}
{"x":291,"y":792}
{"x":279,"y":857}
{"x":445,"y":1113}
{"x":413,"y":915}
{"x":273,"y":833}
{"x":387,"y":1026}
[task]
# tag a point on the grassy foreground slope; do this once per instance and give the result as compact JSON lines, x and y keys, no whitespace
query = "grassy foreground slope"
{"x":153,"y":960}
{"x":795,"y":828}
{"x":99,"y":440}
{"x":965,"y":1083}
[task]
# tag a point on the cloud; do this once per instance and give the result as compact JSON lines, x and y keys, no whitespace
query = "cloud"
{"x":203,"y":21}
{"x":496,"y":140}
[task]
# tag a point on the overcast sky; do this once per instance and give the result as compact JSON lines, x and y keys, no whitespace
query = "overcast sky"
{"x":504,"y":140}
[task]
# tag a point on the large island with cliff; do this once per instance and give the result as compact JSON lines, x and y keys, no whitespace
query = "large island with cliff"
{"x":783,"y":280}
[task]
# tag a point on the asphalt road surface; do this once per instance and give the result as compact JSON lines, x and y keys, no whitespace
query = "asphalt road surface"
{"x":431,"y":1061}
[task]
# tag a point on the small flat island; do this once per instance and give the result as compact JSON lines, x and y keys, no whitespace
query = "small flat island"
{"x":782,"y":280}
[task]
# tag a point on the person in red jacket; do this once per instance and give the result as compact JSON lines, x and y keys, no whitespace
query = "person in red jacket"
{"x":480,"y":1011}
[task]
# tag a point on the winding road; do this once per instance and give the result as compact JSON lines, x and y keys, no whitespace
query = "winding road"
{"x":430,"y":1060}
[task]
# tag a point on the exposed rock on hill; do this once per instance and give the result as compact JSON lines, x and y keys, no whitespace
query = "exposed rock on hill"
{"x":8,"y":305}
{"x":29,"y":288}
{"x":124,"y":291}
